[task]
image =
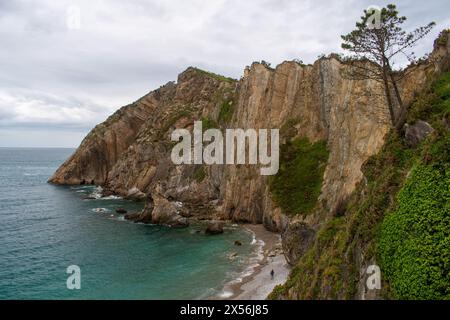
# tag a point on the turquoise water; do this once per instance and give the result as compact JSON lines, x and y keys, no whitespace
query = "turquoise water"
{"x":46,"y":228}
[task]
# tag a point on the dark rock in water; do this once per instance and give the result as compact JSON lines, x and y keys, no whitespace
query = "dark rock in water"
{"x":138,"y":217}
{"x":179,"y":222}
{"x":415,"y":134}
{"x":237,"y":243}
{"x":121,"y":210}
{"x":166,"y":213}
{"x":107,"y":193}
{"x":89,"y":198}
{"x":159,"y":210}
{"x":215,"y":227}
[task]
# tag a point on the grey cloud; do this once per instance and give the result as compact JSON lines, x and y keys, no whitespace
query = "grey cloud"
{"x":126,"y":48}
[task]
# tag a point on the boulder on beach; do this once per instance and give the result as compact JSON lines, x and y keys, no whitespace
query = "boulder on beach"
{"x":214,"y":227}
{"x":237,"y":243}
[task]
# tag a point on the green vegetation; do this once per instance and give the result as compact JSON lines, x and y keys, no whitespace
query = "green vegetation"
{"x":226,"y":111}
{"x":215,"y":76}
{"x":381,"y":45}
{"x":435,"y":104}
{"x":297,"y":185}
{"x":414,"y":244}
{"x":414,"y":239}
{"x":173,"y":117}
{"x":199,"y":174}
{"x":442,"y":40}
{"x":397,"y":216}
{"x":208,"y":124}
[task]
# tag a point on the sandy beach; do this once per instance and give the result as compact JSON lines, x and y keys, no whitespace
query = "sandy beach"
{"x":258,"y":284}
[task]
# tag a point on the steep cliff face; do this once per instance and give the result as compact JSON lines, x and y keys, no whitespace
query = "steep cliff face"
{"x":103,"y":146}
{"x":311,"y":101}
{"x":132,"y":149}
{"x":130,"y":152}
{"x":331,"y":250}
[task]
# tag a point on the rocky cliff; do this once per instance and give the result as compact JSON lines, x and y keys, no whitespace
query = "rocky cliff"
{"x":129,"y":154}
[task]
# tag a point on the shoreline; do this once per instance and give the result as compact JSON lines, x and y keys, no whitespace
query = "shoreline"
{"x":258,"y":283}
{"x":254,"y":282}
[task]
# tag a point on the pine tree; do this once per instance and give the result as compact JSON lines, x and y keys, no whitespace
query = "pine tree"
{"x":377,"y":40}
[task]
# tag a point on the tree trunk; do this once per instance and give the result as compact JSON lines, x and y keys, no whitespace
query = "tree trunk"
{"x":388,"y":96}
{"x":402,"y":115}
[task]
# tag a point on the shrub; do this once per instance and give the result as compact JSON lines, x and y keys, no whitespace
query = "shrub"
{"x":226,"y":111}
{"x":297,"y":185}
{"x":415,"y":238}
{"x":215,"y":76}
{"x":208,"y":124}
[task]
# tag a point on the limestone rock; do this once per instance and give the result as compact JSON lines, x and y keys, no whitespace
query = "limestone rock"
{"x":214,"y":227}
{"x":131,"y":149}
{"x":416,"y":133}
{"x":166,"y":213}
{"x":159,"y":210}
{"x":135,"y":194}
{"x":297,"y":239}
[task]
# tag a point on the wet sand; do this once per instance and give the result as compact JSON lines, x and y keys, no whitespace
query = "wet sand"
{"x":259,"y":284}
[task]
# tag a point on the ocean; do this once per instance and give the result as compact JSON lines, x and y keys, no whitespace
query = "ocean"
{"x":45,"y":228}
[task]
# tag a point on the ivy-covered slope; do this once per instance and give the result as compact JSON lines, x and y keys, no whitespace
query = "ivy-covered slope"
{"x":414,"y":239}
{"x":398,"y":217}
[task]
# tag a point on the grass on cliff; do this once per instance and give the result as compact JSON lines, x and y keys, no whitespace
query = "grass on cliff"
{"x":398,"y":216}
{"x":208,"y":123}
{"x":414,"y":244}
{"x":414,"y":238}
{"x":215,"y":76}
{"x":226,"y":111}
{"x":296,"y":186}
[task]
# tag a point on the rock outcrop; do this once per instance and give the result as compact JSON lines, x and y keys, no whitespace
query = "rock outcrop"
{"x":129,"y":154}
{"x":414,"y":134}
{"x":314,"y":100}
{"x":161,"y":211}
{"x":104,"y":146}
{"x":214,"y":227}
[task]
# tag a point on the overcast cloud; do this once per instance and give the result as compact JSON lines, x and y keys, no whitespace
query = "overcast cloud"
{"x":57,"y":82}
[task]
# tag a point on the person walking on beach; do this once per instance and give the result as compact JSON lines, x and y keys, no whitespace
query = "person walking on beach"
{"x":272,"y":273}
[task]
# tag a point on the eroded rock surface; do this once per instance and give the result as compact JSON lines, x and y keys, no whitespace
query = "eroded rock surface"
{"x":129,"y":154}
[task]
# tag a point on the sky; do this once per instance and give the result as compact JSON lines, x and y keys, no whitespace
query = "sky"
{"x":65,"y":65}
